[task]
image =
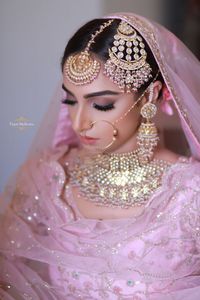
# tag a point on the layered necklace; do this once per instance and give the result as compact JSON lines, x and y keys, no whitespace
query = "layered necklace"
{"x":116,"y":179}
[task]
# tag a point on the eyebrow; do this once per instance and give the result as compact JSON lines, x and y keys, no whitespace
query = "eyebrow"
{"x":95,"y":94}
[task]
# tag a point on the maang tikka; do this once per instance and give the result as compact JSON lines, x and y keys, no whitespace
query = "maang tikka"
{"x":82,"y":68}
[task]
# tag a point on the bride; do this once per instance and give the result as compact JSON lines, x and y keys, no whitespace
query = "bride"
{"x":100,"y":209}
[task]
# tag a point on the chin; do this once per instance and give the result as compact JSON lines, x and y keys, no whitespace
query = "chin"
{"x":90,"y":148}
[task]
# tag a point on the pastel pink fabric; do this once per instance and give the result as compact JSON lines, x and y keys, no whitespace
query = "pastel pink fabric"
{"x":51,"y":251}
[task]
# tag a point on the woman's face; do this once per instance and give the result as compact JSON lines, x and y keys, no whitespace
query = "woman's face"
{"x":102,"y":101}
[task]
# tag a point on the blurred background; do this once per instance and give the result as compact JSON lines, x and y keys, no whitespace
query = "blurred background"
{"x":33,"y":36}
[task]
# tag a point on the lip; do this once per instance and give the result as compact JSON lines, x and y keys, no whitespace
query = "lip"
{"x":88,"y":140}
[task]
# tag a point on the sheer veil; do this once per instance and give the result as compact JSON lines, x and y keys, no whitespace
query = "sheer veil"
{"x":180,"y":70}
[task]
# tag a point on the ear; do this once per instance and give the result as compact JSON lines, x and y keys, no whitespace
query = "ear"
{"x":157,"y":86}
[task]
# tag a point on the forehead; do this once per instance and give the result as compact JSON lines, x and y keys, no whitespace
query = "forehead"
{"x":101,"y":82}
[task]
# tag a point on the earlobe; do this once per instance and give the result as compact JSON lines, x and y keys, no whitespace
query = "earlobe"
{"x":144,"y":100}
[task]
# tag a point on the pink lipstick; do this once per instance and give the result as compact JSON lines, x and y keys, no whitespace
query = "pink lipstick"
{"x":87,"y":140}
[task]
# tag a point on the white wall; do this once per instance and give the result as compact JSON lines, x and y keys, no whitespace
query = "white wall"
{"x":33,"y":34}
{"x":152,"y":9}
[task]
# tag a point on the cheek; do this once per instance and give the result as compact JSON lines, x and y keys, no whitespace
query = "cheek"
{"x":128,"y":126}
{"x":72,"y":116}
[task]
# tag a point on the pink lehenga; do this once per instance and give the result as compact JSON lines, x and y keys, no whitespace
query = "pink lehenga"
{"x":49,"y":250}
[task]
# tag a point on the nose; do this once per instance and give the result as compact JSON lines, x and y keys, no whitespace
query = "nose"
{"x":81,"y":121}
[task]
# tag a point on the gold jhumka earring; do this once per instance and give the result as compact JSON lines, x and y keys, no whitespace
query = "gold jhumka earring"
{"x":147,"y":138}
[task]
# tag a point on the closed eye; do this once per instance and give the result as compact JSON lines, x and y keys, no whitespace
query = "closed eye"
{"x":104,"y":107}
{"x":67,"y":101}
{"x":96,"y":106}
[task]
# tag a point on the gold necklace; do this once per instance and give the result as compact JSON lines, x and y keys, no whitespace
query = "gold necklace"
{"x":116,"y":179}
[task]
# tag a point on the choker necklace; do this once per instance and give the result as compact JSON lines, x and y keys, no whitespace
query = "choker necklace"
{"x":116,"y":179}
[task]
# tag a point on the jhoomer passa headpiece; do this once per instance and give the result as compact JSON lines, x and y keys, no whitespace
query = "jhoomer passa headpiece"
{"x":127,"y":64}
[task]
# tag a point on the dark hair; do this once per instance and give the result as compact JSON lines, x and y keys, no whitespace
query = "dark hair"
{"x":103,"y":41}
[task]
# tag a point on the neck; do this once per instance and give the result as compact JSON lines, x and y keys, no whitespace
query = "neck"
{"x":128,"y":146}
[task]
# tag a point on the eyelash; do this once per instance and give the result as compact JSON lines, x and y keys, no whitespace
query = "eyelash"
{"x":66,"y":101}
{"x":96,"y":106}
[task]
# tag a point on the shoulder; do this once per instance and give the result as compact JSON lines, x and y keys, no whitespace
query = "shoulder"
{"x":183,"y":173}
{"x":183,"y":169}
{"x":181,"y":190}
{"x":182,"y":193}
